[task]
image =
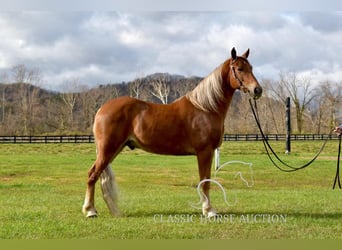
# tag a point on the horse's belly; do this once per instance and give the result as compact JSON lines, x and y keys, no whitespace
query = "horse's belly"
{"x":161,"y":144}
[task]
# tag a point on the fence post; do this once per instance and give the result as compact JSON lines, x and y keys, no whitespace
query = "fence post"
{"x":217,"y":158}
{"x":288,"y":126}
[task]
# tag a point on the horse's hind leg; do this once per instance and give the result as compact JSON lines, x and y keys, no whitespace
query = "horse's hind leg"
{"x":101,"y":168}
{"x":88,"y":206}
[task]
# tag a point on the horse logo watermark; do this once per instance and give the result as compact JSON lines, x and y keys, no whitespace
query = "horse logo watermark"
{"x":245,"y":174}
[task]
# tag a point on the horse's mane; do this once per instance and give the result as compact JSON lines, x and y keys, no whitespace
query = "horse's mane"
{"x":208,"y":93}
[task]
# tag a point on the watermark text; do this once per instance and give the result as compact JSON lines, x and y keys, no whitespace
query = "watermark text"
{"x":222,"y":218}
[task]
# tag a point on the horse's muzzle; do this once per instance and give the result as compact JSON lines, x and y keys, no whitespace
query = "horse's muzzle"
{"x":257,"y":92}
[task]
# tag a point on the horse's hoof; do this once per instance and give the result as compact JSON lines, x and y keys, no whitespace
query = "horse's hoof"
{"x":91,"y":214}
{"x":211,"y":214}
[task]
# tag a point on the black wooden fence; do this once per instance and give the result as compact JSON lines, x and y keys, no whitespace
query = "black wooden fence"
{"x":277,"y":137}
{"x":48,"y":139}
{"x":90,"y":138}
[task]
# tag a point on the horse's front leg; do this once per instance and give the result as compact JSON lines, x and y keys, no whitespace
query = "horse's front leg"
{"x":204,"y":159}
{"x":88,"y":206}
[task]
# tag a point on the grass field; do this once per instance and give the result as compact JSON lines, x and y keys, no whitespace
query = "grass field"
{"x":42,"y":189}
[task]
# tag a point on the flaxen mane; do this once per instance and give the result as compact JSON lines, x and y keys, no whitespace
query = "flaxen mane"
{"x":208,"y":93}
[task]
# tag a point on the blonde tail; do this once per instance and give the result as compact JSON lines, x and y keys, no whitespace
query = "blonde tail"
{"x":109,"y":190}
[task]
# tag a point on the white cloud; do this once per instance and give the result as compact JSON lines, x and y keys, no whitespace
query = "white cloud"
{"x":103,"y":47}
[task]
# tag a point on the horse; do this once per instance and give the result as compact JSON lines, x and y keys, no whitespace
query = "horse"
{"x":191,"y":125}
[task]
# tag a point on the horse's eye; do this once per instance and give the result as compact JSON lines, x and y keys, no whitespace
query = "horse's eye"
{"x":240,"y":69}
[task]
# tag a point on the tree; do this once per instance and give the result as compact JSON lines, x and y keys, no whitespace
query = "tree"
{"x":326,"y":109}
{"x":89,"y":105}
{"x":300,"y":90}
{"x":183,"y":86}
{"x":69,"y":97}
{"x":4,"y":79}
{"x":161,"y":88}
{"x":28,"y":80}
{"x":135,"y":87}
{"x":274,"y":111}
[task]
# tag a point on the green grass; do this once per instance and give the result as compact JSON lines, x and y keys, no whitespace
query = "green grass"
{"x":42,"y":189}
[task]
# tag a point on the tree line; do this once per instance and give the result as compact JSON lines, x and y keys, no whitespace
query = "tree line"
{"x":28,"y":109}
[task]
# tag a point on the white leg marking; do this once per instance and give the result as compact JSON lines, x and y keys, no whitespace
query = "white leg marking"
{"x":88,"y":209}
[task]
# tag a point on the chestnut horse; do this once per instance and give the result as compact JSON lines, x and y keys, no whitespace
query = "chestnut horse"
{"x":191,"y":125}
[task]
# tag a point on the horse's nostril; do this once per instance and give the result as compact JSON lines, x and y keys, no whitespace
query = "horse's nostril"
{"x":258,"y":91}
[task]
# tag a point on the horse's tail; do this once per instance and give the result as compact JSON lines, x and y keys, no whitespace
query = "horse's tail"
{"x":109,"y":190}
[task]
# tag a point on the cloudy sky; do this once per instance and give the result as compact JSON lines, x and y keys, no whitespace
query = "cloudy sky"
{"x":100,"y":47}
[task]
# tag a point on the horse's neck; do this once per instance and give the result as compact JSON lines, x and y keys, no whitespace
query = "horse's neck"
{"x":226,"y":87}
{"x":227,"y":101}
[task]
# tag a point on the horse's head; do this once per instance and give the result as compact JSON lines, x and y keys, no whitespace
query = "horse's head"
{"x":241,"y":76}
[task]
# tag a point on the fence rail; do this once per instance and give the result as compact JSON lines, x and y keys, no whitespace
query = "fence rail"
{"x":48,"y":139}
{"x":278,"y":137}
{"x":90,"y":138}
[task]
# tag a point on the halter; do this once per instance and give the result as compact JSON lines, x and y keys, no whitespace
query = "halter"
{"x":242,"y":86}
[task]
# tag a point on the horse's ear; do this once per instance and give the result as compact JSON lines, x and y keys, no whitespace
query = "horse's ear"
{"x":233,"y":53}
{"x":245,"y":55}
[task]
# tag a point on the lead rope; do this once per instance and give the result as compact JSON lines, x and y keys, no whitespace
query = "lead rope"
{"x":337,"y":175}
{"x":269,"y":148}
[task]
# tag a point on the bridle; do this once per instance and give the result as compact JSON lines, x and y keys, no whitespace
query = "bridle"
{"x":242,"y":86}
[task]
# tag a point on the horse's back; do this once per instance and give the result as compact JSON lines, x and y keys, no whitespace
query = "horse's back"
{"x":130,"y":106}
{"x":113,"y":105}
